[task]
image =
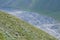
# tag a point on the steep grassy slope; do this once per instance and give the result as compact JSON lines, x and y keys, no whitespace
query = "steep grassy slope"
{"x":12,"y":28}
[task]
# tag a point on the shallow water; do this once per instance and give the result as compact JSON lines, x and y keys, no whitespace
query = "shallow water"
{"x":48,"y":7}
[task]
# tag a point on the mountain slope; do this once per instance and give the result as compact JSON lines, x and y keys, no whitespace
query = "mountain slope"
{"x":12,"y":28}
{"x":45,"y":23}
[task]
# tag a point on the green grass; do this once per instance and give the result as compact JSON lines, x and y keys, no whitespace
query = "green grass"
{"x":12,"y":28}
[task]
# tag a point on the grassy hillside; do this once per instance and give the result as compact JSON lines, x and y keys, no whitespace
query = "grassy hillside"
{"x":12,"y":28}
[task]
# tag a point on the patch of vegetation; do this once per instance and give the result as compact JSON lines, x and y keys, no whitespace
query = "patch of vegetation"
{"x":12,"y":28}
